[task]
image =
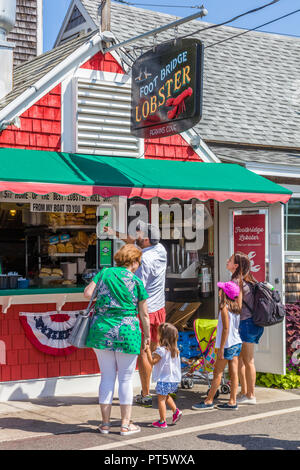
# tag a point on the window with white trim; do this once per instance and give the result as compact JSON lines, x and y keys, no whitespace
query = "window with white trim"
{"x":103,"y":119}
{"x":292,"y":226}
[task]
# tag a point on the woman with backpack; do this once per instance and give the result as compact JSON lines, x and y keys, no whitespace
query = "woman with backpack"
{"x":239,"y":266}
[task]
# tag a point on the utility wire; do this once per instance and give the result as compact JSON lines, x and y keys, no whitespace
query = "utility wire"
{"x":155,"y":5}
{"x":231,"y":20}
{"x":253,"y":29}
{"x":213,"y":26}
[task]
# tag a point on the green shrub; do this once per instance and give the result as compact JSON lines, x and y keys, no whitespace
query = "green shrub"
{"x":288,"y":381}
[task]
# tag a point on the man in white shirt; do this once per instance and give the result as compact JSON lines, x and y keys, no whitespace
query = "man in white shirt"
{"x":153,"y":274}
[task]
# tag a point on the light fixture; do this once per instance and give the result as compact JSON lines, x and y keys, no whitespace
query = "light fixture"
{"x":13,"y":212}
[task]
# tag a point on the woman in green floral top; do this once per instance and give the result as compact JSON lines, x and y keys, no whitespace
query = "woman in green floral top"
{"x":115,"y":332}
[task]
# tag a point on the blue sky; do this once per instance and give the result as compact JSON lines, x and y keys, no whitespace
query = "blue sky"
{"x":218,"y":11}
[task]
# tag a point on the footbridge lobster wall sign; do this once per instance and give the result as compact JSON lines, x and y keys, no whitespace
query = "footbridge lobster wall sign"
{"x":167,"y":89}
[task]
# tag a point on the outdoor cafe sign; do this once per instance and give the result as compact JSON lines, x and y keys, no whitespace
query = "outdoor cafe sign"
{"x":166,"y":95}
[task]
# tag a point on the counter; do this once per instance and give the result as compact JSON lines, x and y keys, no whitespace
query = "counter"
{"x":40,"y":295}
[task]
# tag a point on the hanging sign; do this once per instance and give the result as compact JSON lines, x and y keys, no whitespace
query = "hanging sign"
{"x":49,"y":332}
{"x":250,"y":238}
{"x":166,"y":96}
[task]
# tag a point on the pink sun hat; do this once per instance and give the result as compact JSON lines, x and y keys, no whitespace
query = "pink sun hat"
{"x":230,"y":288}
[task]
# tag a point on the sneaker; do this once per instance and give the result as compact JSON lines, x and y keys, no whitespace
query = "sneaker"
{"x":176,"y":416}
{"x":203,"y":406}
{"x":158,"y":424}
{"x":142,"y":400}
{"x":245,"y":400}
{"x":226,"y":406}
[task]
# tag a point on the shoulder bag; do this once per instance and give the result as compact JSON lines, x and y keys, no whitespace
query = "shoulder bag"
{"x":81,"y":328}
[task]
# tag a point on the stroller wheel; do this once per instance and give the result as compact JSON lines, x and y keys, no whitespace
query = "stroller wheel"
{"x":187,"y":383}
{"x":216,"y":394}
{"x":190,"y":383}
{"x":184,"y":384}
{"x":225,"y":389}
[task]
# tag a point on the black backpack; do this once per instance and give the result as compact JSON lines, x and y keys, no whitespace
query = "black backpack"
{"x":267,"y":307}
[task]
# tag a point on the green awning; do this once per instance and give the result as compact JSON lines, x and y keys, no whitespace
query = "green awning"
{"x":42,"y":172}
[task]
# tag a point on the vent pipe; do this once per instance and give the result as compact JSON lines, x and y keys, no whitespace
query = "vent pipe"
{"x":7,"y":22}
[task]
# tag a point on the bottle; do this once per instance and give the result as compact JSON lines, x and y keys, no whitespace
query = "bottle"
{"x":269,"y":286}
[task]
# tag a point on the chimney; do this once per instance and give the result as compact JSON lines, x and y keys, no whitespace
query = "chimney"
{"x":7,"y":22}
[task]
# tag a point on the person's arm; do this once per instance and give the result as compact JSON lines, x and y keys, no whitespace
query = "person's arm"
{"x":88,"y":291}
{"x":143,"y":272}
{"x":144,"y":317}
{"x":121,"y":236}
{"x":225,"y":331}
{"x":152,"y":358}
{"x":240,"y":296}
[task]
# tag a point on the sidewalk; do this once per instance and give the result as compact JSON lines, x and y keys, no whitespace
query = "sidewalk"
{"x":69,"y":414}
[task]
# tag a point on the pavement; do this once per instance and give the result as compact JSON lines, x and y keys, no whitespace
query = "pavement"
{"x":26,"y":420}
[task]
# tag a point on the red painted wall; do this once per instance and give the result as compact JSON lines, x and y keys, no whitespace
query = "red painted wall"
{"x":24,"y":361}
{"x":107,"y":64}
{"x":40,"y":125}
{"x":170,"y":148}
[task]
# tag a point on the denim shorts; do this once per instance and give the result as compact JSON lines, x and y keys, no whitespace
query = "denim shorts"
{"x":234,"y":350}
{"x":249,"y":332}
{"x":164,"y":388}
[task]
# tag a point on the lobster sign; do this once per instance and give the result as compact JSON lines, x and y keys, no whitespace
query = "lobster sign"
{"x":166,"y":95}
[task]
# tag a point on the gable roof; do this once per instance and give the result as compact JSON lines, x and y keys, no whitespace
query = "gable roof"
{"x":29,"y":73}
{"x":245,"y":155}
{"x":246,"y":98}
{"x":250,"y":83}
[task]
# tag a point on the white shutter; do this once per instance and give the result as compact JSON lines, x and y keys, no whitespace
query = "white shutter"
{"x":103,"y":119}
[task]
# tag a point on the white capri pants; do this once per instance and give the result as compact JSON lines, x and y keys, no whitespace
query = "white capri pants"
{"x":114,"y":364}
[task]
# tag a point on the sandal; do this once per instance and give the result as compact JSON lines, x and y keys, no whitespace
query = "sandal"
{"x":103,"y":425}
{"x":131,"y":429}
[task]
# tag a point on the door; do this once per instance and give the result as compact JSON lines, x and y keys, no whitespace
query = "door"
{"x":270,"y":354}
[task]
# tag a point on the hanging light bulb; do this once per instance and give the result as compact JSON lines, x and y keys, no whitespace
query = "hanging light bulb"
{"x":13,"y":212}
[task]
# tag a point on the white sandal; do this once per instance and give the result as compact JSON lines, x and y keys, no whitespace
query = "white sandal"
{"x":104,"y":431}
{"x":129,"y":429}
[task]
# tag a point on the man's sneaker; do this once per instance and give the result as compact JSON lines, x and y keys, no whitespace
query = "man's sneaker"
{"x":158,"y":424}
{"x":203,"y":406}
{"x":142,"y":400}
{"x":245,"y":400}
{"x":176,"y":416}
{"x":226,"y":406}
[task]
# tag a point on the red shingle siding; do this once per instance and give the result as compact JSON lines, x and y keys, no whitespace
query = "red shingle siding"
{"x":171,"y":148}
{"x":40,"y":125}
{"x":107,"y":64}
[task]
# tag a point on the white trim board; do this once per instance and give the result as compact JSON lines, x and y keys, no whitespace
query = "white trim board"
{"x":20,"y":390}
{"x":268,"y":169}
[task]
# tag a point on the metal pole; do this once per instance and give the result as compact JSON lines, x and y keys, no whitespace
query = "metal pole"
{"x":153,"y":32}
